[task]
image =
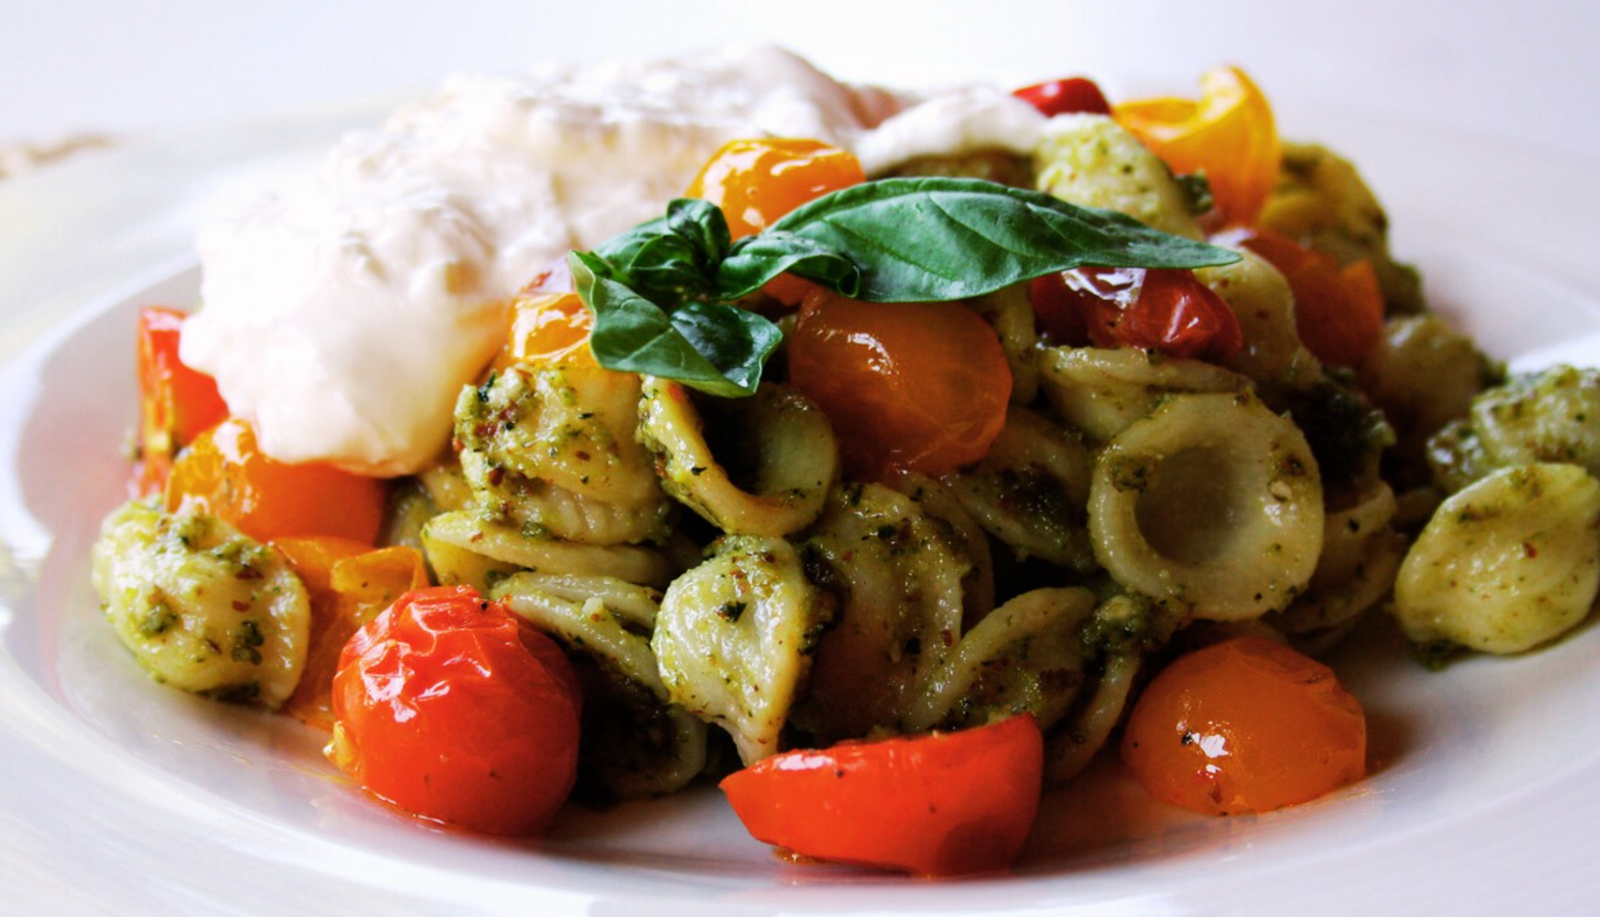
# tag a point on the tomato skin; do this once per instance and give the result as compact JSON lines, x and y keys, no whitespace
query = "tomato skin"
{"x":176,"y":403}
{"x":1245,"y":725}
{"x":757,"y":181}
{"x":934,"y":805}
{"x":450,"y":708}
{"x":1338,"y":311}
{"x":549,"y":328}
{"x":1229,"y":134}
{"x":224,"y":473}
{"x":1073,"y":95}
{"x":914,"y":386}
{"x":1169,"y":311}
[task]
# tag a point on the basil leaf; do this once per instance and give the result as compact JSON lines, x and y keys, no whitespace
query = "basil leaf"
{"x":719,"y":349}
{"x":938,"y":239}
{"x":670,"y":259}
{"x":755,"y":260}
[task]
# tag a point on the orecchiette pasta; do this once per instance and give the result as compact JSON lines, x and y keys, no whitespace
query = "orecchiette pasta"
{"x":1030,"y":491}
{"x":202,"y":607}
{"x":641,"y":745}
{"x":898,"y":574}
{"x":1361,"y":553}
{"x":1264,"y":305}
{"x":462,"y":547}
{"x":553,"y":448}
{"x":1506,"y":564}
{"x":1090,"y":160}
{"x":786,"y":450}
{"x":1212,"y":501}
{"x":1102,"y":391}
{"x":735,"y":636}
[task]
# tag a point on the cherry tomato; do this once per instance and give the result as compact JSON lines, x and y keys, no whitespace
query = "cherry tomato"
{"x":1338,"y":311}
{"x":936,"y":805}
{"x":1154,"y":309}
{"x":176,"y":403}
{"x":1064,"y":97}
{"x":756,"y":182}
{"x":549,"y":328}
{"x":224,"y":473}
{"x":1246,"y":725}
{"x":349,"y":583}
{"x":450,"y":708}
{"x":915,"y":386}
{"x":1228,"y":134}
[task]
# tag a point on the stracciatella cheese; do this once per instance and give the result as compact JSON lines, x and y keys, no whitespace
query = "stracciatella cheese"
{"x":344,"y":317}
{"x":961,"y":120}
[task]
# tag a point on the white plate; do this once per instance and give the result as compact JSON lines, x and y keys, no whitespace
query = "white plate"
{"x":119,"y":796}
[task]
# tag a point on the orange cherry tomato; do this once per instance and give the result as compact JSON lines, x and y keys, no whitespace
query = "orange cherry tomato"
{"x":448,"y":707}
{"x":549,"y":328}
{"x":1338,"y":311}
{"x":757,"y":181}
{"x":224,"y":473}
{"x":914,"y":386}
{"x":1246,"y":725}
{"x":1228,"y":134}
{"x":1169,"y":311}
{"x":934,"y":805}
{"x":1064,"y":97}
{"x":176,"y":403}
{"x":349,"y":583}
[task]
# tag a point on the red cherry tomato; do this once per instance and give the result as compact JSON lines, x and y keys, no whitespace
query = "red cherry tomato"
{"x":450,"y":708}
{"x":1338,"y":311}
{"x":1154,"y":309}
{"x":1246,"y":725}
{"x":1064,"y":97}
{"x":176,"y":403}
{"x":916,"y":386}
{"x":224,"y":473}
{"x":935,"y":805}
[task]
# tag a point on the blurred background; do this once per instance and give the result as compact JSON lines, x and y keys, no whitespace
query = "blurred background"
{"x":1523,"y":73}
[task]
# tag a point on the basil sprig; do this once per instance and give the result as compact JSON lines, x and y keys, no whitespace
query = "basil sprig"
{"x":662,"y":293}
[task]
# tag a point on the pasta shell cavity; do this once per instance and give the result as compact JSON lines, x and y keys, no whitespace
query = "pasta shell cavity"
{"x":898,"y":574}
{"x":201,"y":606}
{"x":637,"y":742}
{"x":553,"y":448}
{"x":770,"y":471}
{"x":1213,"y":502}
{"x":1510,"y":562}
{"x":734,"y":639}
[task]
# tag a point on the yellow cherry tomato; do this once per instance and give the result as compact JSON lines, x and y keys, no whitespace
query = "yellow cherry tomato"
{"x":1228,"y":134}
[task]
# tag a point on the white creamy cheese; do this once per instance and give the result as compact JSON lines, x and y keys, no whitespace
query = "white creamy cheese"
{"x":344,"y":317}
{"x":960,"y":120}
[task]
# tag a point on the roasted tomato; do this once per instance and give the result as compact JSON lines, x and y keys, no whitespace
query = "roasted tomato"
{"x":1154,"y":309}
{"x":1228,"y":135}
{"x":549,"y":328}
{"x":1246,"y":725}
{"x":348,"y":583}
{"x":915,"y":386}
{"x":451,"y":708}
{"x":225,"y":474}
{"x":936,"y":805}
{"x":176,"y":403}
